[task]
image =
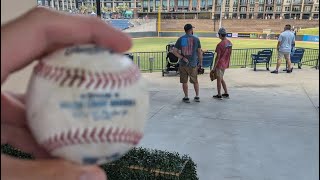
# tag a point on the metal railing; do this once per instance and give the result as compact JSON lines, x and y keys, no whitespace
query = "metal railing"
{"x":156,"y":61}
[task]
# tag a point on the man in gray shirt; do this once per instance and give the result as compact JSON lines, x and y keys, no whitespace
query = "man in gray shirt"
{"x":285,"y":42}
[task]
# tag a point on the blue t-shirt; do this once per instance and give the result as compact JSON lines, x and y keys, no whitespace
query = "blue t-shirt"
{"x":286,"y":40}
{"x":188,"y":45}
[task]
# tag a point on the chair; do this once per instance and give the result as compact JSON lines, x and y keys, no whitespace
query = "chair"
{"x":263,"y":56}
{"x":207,"y":60}
{"x":129,"y":55}
{"x":296,"y":57}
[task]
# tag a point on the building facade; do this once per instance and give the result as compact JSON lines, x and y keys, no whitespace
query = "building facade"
{"x":240,"y":9}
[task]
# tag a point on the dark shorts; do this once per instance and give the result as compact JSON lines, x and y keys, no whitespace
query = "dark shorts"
{"x":186,"y":71}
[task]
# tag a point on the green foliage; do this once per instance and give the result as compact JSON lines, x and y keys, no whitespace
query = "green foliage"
{"x":139,"y":163}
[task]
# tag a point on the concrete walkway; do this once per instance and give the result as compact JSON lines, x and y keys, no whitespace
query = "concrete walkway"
{"x":267,"y":130}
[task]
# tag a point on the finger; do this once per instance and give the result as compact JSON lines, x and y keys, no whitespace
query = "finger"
{"x":32,"y":35}
{"x":22,"y":138}
{"x":55,"y":169}
{"x":18,"y":96}
{"x":12,"y":110}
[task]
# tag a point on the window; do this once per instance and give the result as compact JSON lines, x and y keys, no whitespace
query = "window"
{"x":243,"y":1}
{"x":286,"y":8}
{"x":252,"y":1}
{"x":307,"y":8}
{"x":218,"y":9}
{"x":260,"y":8}
{"x":269,"y":8}
{"x":252,"y":9}
{"x":296,"y":8}
{"x":269,"y":1}
{"x":227,"y":2}
{"x":316,"y":8}
{"x":261,"y":1}
{"x":235,"y":9}
{"x":279,"y":8}
{"x":288,"y":1}
{"x":279,"y":1}
{"x":243,"y":9}
{"x":226,"y":9}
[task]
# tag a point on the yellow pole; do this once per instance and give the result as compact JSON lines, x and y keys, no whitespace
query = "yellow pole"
{"x":159,"y":18}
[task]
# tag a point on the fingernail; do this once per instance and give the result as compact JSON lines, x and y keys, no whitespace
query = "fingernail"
{"x":90,"y":176}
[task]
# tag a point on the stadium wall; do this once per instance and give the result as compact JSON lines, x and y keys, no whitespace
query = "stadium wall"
{"x":237,"y":25}
{"x":230,"y":35}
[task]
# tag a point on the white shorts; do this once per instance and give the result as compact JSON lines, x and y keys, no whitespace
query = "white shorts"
{"x":282,"y":55}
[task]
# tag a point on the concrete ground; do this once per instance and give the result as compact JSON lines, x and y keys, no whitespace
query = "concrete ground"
{"x":267,"y":130}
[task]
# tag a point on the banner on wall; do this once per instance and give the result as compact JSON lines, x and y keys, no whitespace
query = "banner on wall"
{"x":243,"y":35}
{"x":229,"y":34}
{"x":310,"y":38}
{"x":235,"y":35}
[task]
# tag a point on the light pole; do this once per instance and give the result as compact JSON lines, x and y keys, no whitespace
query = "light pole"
{"x":98,"y":4}
{"x":220,"y":23}
{"x":221,"y":4}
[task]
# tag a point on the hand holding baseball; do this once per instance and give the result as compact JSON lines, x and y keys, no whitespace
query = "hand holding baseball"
{"x":30,"y":37}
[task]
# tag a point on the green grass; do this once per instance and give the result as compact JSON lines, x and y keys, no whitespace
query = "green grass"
{"x":159,"y":44}
{"x":156,"y":47}
{"x":309,"y":31}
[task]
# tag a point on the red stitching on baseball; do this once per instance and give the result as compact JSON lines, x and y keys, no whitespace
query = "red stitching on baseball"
{"x":92,"y":136}
{"x":87,"y":79}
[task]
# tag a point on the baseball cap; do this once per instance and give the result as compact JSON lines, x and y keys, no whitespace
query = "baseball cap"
{"x":222,"y":31}
{"x":188,"y":27}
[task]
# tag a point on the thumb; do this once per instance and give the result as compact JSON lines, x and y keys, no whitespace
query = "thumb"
{"x":55,"y":169}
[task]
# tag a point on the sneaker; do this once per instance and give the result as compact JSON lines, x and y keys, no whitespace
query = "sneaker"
{"x":275,"y":72}
{"x":217,"y":97}
{"x":186,"y":100}
{"x":196,"y":99}
{"x":225,"y":95}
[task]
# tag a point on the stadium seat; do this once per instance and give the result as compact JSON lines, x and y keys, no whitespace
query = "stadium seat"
{"x":208,"y":59}
{"x":121,"y":24}
{"x":296,"y":57}
{"x":263,"y":56}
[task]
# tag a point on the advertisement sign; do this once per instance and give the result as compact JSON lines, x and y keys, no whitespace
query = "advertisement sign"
{"x":244,"y":35}
{"x":229,"y":34}
{"x":310,"y":38}
{"x":235,"y":35}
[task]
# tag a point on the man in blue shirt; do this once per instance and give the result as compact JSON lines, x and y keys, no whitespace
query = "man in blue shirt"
{"x":188,"y":50}
{"x":286,"y":41}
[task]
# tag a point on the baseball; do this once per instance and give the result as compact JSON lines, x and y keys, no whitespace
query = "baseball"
{"x":87,"y":104}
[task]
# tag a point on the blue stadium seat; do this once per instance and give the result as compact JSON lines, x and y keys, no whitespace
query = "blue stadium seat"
{"x":121,"y":24}
{"x":263,"y":56}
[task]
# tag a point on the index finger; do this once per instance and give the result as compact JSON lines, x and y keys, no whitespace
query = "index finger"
{"x":41,"y":30}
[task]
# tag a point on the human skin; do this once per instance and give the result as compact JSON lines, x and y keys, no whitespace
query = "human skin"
{"x":23,"y":40}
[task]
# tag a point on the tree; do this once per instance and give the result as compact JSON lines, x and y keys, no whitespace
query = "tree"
{"x":83,"y":9}
{"x":105,"y":9}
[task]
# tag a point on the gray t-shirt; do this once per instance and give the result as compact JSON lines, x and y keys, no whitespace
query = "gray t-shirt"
{"x":188,"y":45}
{"x":286,"y":39}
